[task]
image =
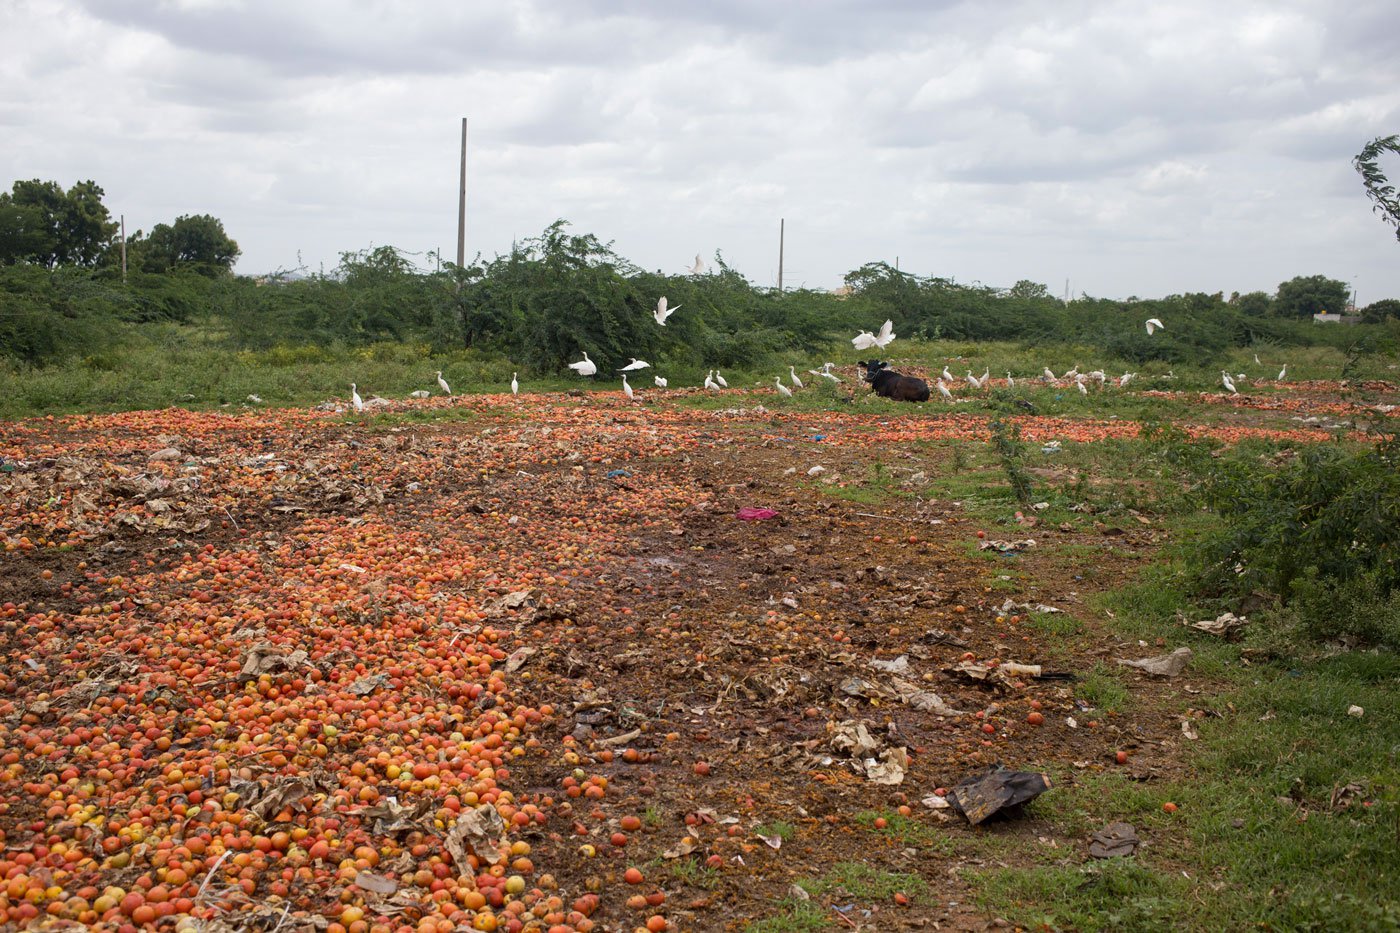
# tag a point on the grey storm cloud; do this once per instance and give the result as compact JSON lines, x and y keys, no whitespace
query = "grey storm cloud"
{"x":1135,"y":147}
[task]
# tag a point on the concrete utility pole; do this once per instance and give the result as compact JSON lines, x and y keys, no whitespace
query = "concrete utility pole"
{"x":781,"y":230}
{"x":462,"y":203}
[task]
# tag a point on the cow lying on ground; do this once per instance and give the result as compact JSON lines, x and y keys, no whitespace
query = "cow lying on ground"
{"x":889,"y":384}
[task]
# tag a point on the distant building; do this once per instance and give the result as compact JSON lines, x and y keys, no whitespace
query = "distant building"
{"x":1337,"y":318}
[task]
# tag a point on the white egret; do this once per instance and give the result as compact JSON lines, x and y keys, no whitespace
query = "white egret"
{"x":1256,"y":360}
{"x":1048,"y":376}
{"x":1010,"y":383}
{"x":699,"y":266}
{"x":1083,"y":389}
{"x":442,"y":383}
{"x":514,"y":384}
{"x":1100,"y":375}
{"x":943,"y":390}
{"x":863,"y":341}
{"x":710,"y":380}
{"x":972,"y":380}
{"x":796,"y":383}
{"x":254,"y":399}
{"x":783,"y":390}
{"x":420,"y":393}
{"x":662,"y":313}
{"x":634,"y":365}
{"x":1125,"y":379}
{"x":886,"y":335}
{"x":1153,"y":324}
{"x":660,"y":381}
{"x":626,"y":388}
{"x":1283,"y":372}
{"x":1228,"y":382}
{"x":720,"y":379}
{"x":826,"y":375}
{"x":986,"y":375}
{"x":584,"y":367}
{"x":355,"y":400}
{"x":1073,"y":373}
{"x":947,"y":376}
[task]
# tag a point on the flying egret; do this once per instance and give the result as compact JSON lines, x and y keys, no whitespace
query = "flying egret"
{"x":783,"y":390}
{"x":699,"y":266}
{"x":660,"y":381}
{"x":943,"y":390}
{"x":710,"y":380}
{"x":796,"y":383}
{"x":1010,"y":383}
{"x":355,"y":400}
{"x":634,"y":365}
{"x":863,"y":341}
{"x":662,"y":313}
{"x":442,"y":383}
{"x":947,"y":376}
{"x":514,"y":384}
{"x":886,"y":335}
{"x":1153,"y":324}
{"x":584,"y":367}
{"x":1283,"y":372}
{"x":721,"y":380}
{"x":1228,"y":382}
{"x":626,"y":388}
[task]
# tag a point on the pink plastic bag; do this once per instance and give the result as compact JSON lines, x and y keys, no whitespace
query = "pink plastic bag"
{"x":750,"y":514}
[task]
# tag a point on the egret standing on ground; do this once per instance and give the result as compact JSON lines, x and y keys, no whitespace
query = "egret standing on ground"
{"x":943,"y":390}
{"x":661,"y":313}
{"x":947,"y":376}
{"x":1228,"y":382}
{"x":720,"y":379}
{"x":710,"y":380}
{"x":1010,"y":383}
{"x":584,"y":367}
{"x":443,"y":383}
{"x":514,"y":384}
{"x":355,"y":400}
{"x":1048,"y":375}
{"x":973,"y":381}
{"x":1283,"y":372}
{"x":1152,"y":325}
{"x":626,"y":388}
{"x":796,"y":383}
{"x":660,"y":381}
{"x":783,"y":390}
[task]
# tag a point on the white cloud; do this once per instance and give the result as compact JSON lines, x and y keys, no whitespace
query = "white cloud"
{"x":1136,"y":149}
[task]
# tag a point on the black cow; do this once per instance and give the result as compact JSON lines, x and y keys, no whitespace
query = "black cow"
{"x":889,"y":384}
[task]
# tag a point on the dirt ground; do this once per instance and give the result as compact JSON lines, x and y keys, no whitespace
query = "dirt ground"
{"x":707,"y":667}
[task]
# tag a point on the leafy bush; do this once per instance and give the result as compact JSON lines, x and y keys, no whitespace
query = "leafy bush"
{"x":1319,"y":532}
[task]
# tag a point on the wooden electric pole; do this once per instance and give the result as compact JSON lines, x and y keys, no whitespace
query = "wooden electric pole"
{"x":462,"y":203}
{"x":123,"y":247}
{"x":781,"y":230}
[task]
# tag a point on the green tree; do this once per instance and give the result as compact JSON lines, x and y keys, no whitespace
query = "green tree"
{"x":1378,"y":187}
{"x":1255,"y":304}
{"x":1378,"y":311}
{"x":195,"y":241}
{"x":42,"y":224}
{"x":1307,"y":295}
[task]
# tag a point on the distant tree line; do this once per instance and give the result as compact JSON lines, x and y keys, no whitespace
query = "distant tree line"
{"x":555,"y":296}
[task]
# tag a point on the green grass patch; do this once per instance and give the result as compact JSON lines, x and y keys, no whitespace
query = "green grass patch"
{"x":866,"y":883}
{"x":906,"y":831}
{"x":693,"y":873}
{"x":794,"y":916}
{"x":1103,"y":689}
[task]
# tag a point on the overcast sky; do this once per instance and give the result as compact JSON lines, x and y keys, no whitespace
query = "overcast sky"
{"x":1133,"y":148}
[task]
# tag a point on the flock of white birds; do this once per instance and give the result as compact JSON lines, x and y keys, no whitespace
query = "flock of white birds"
{"x":865,"y":340}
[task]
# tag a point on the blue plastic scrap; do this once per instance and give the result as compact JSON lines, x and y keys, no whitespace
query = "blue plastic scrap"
{"x":614,"y":474}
